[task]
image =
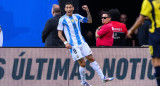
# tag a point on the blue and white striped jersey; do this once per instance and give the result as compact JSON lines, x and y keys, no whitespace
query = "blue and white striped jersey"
{"x":71,"y":27}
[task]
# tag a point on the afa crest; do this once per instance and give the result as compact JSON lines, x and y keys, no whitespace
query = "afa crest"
{"x":72,"y":20}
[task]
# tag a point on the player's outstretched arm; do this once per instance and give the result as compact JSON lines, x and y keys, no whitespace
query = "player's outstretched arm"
{"x":85,"y":7}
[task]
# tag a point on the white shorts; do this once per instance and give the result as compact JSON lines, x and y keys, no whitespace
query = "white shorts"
{"x":80,"y":51}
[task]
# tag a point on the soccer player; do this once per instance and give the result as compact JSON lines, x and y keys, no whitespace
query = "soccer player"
{"x":70,"y":24}
{"x":151,"y":8}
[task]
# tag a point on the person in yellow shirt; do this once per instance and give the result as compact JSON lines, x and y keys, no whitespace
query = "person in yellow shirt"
{"x":151,"y":8}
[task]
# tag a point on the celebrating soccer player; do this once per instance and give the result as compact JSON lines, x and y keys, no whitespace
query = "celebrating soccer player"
{"x":70,"y":24}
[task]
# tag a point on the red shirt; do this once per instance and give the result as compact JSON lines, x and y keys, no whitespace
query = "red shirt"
{"x":106,"y":35}
{"x":120,"y":32}
{"x":119,"y":27}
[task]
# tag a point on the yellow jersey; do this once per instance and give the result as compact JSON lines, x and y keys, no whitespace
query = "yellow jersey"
{"x":151,"y":8}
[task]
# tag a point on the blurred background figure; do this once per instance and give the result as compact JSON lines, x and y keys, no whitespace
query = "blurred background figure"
{"x":1,"y":37}
{"x":104,"y":33}
{"x":119,"y":29}
{"x":50,"y":33}
{"x":143,"y":32}
{"x":124,"y":20}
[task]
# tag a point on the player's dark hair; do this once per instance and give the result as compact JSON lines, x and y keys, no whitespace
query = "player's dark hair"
{"x":69,"y":3}
{"x":105,"y":12}
{"x":115,"y":14}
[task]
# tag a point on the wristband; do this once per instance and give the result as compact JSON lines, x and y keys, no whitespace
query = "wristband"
{"x":65,"y":42}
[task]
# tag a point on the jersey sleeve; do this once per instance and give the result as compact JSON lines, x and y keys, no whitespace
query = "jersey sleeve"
{"x":146,"y":8}
{"x":60,"y":24}
{"x":82,"y":19}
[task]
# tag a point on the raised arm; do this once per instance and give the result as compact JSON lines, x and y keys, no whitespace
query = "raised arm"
{"x":85,"y":7}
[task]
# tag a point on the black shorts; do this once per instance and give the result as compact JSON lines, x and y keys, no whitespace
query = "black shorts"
{"x":154,"y":43}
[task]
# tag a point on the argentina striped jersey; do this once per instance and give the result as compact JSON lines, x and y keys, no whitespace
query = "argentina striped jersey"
{"x":71,"y":27}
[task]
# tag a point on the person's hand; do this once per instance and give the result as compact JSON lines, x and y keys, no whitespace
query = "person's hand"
{"x":99,"y":27}
{"x":85,"y":7}
{"x":129,"y":33}
{"x":68,"y":46}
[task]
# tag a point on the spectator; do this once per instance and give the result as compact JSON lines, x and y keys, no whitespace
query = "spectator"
{"x":119,"y":29}
{"x":104,"y":33}
{"x":128,"y":41}
{"x":50,"y":33}
{"x":123,"y":18}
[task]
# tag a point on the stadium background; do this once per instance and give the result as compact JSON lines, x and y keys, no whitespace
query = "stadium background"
{"x":22,"y":21}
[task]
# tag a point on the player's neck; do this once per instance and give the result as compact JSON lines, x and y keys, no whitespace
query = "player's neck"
{"x":69,"y":15}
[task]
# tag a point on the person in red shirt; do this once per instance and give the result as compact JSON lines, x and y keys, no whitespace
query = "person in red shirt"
{"x":119,"y":29}
{"x":104,"y":34}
